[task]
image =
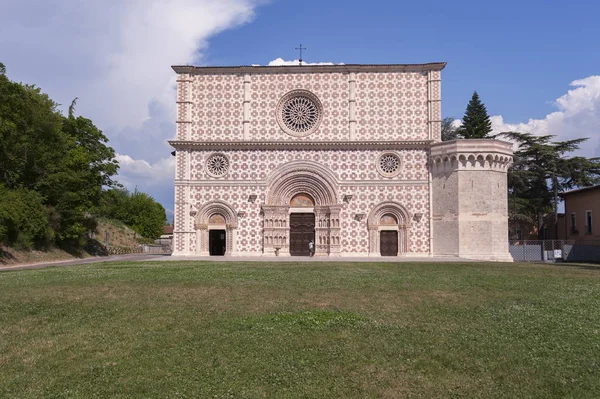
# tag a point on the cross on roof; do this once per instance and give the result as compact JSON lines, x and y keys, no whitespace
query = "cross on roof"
{"x":300,"y":48}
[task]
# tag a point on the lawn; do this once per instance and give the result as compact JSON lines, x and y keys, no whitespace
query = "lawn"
{"x":300,"y":330}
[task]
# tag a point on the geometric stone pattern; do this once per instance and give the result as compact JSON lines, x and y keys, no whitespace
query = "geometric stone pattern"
{"x":368,"y":161}
{"x":392,"y":106}
{"x":216,"y":113}
{"x":267,"y":90}
{"x":389,"y":106}
{"x":355,"y":171}
{"x":348,"y":165}
{"x":354,"y":234}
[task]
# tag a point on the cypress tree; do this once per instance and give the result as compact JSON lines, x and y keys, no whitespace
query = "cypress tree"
{"x":476,"y":122}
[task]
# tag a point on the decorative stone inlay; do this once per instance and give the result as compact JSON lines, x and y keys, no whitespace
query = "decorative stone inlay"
{"x":217,"y":165}
{"x":299,"y":113}
{"x":388,"y":164}
{"x":302,"y":200}
{"x":388,"y":220}
{"x":217,"y":218}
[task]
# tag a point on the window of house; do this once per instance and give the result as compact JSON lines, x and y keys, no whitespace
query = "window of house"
{"x":588,"y":221}
{"x":573,"y":227}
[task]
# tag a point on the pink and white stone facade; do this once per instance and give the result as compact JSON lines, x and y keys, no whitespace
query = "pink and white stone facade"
{"x":239,"y":166}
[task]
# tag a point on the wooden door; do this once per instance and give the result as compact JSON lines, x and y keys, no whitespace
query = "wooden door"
{"x":302,"y":230}
{"x":388,"y":243}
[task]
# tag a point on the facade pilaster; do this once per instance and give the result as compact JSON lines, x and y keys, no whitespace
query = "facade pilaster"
{"x":434,"y":105}
{"x":352,"y":105}
{"x":246,"y":106}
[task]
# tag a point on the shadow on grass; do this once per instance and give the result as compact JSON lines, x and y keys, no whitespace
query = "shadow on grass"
{"x":581,"y":265}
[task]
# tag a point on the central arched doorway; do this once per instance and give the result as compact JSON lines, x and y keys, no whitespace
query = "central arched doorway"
{"x":302,"y":204}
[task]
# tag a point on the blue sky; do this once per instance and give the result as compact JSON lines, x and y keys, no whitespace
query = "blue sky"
{"x":535,"y":64}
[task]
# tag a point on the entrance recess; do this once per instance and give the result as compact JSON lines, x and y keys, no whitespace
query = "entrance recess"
{"x":217,"y":242}
{"x":302,"y":230}
{"x":389,"y":243}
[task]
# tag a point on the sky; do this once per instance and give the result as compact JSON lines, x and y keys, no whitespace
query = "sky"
{"x":535,"y":64}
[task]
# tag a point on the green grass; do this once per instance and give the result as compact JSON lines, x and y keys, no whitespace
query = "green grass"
{"x":305,"y":330}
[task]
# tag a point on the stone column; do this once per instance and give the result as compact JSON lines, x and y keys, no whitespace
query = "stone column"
{"x":322,"y":239}
{"x":374,"y":241}
{"x":276,"y":230}
{"x":334,"y":230}
{"x":202,"y":240}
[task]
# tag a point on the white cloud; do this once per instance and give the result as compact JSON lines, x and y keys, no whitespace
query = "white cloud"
{"x":134,"y":170}
{"x":578,"y":116}
{"x":116,"y":57}
{"x":281,"y":62}
{"x":155,"y":179}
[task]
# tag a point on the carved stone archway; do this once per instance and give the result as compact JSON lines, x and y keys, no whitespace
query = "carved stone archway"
{"x":215,"y":215}
{"x":314,"y":180}
{"x":376,"y":222}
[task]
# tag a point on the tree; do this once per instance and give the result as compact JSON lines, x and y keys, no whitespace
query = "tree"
{"x":541,"y":170}
{"x":449,"y":132}
{"x":476,"y":122}
{"x":137,"y":210}
{"x":63,"y":159}
{"x":23,"y":219}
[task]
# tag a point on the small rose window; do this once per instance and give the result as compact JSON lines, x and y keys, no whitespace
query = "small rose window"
{"x":389,"y":165}
{"x":217,"y":165}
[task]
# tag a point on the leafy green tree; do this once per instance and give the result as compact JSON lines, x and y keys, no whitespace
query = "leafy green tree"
{"x":138,"y":210}
{"x":73,"y":184}
{"x":476,"y":122}
{"x":147,"y":217}
{"x":23,"y":219}
{"x":64,"y":159}
{"x":542,"y":170}
{"x":449,"y":132}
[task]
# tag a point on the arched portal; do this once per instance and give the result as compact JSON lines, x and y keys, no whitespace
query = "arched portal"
{"x":302,"y":194}
{"x":216,"y":225}
{"x":388,"y":225}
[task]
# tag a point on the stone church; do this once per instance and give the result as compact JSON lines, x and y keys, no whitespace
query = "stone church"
{"x":348,"y":156}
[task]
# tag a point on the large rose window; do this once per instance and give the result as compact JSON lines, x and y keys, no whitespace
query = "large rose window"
{"x":299,"y":113}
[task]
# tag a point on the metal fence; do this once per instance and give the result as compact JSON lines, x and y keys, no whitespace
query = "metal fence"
{"x":555,"y":250}
{"x":139,"y":249}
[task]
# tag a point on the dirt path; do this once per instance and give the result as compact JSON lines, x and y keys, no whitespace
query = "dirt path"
{"x":115,"y":258}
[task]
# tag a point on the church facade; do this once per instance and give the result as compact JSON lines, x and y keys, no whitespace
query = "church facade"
{"x":347,"y":156}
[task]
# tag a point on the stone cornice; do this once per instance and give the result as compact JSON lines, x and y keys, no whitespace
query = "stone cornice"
{"x":263,"y":183}
{"x":296,"y":145}
{"x":346,"y":68}
{"x":488,"y":154}
{"x":473,"y":146}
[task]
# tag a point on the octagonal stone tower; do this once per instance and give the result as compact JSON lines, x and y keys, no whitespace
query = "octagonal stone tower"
{"x":469,"y":206}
